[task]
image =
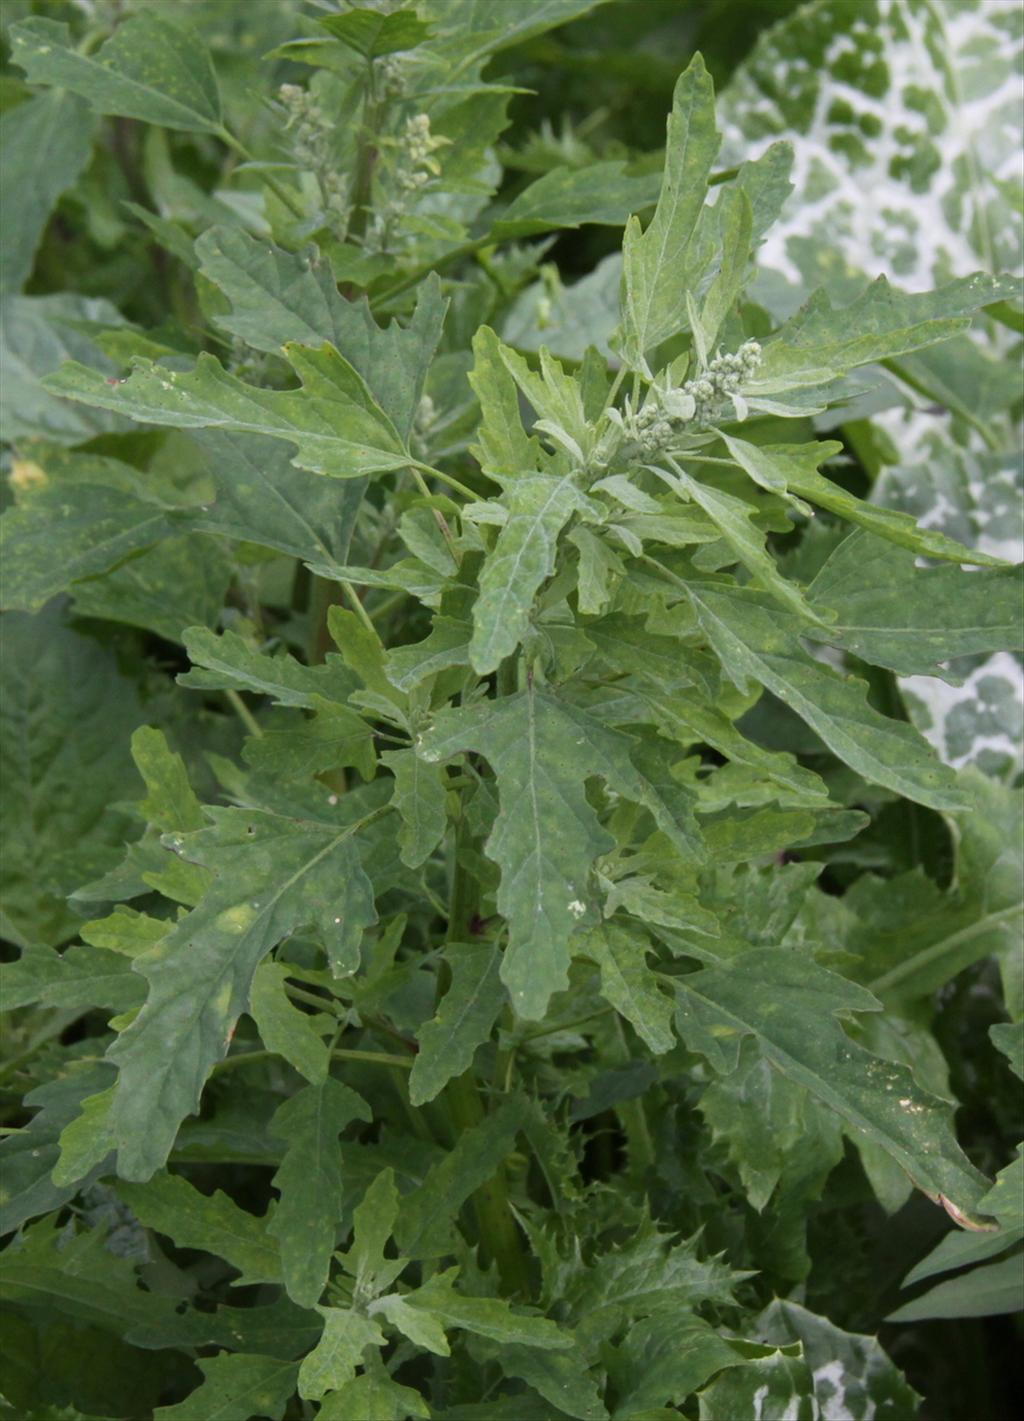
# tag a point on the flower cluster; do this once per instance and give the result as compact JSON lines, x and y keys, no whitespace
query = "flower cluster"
{"x":312,"y":148}
{"x":668,"y":410}
{"x":411,"y":169}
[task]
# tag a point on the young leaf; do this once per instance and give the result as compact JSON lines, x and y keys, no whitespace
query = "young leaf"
{"x":333,"y":1361}
{"x":419,"y":796}
{"x":285,"y":1029}
{"x":462,"y":1022}
{"x":602,"y":193}
{"x":227,"y":662}
{"x":629,"y":984}
{"x":881,"y":323}
{"x":373,"y":1223}
{"x":262,"y":497}
{"x":67,"y":712}
{"x":148,"y":69}
{"x":655,"y":274}
{"x":539,"y":507}
{"x":309,"y":1182}
{"x":792,"y":469}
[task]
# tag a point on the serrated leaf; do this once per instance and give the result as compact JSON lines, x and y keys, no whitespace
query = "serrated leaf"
{"x":419,"y":796}
{"x":793,"y":468}
{"x":279,"y":297}
{"x":333,"y":1361}
{"x":893,"y":613}
{"x":67,"y":713}
{"x":650,"y":1274}
{"x":309,"y":1182}
{"x":211,"y":1222}
{"x":736,"y":219}
{"x":174,"y":584}
{"x":462,"y":1022}
{"x":734,"y":519}
{"x":665,"y":1359}
{"x":790,"y":1005}
{"x":236,"y":1384}
{"x":28,"y":1158}
{"x":911,"y":938}
{"x":335,"y":423}
{"x":880,"y":323}
{"x":372,"y":34}
{"x":600,"y":568}
{"x":655,"y":275}
{"x":373,"y":1223}
{"x":547,"y":835}
{"x":373,"y":1396}
{"x":424,"y":1228}
{"x":504,"y":450}
{"x":86,"y":1141}
{"x":539,"y":506}
{"x":228,"y":662}
{"x":36,"y":335}
{"x":80,"y":978}
{"x":773,"y":1130}
{"x":628,"y":983}
{"x":690,"y":719}
{"x":283,"y":1028}
{"x":272,"y":875}
{"x":602,"y":193}
{"x":296,"y":747}
{"x":440,"y":1301}
{"x":562,"y":1378}
{"x":76,"y":1275}
{"x":756,"y":643}
{"x":148,"y":69}
{"x":45,"y":143}
{"x":262,"y":497}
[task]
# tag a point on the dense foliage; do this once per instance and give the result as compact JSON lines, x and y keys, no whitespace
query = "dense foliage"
{"x":511,"y":731}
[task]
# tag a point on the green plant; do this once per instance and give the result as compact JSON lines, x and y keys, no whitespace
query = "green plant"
{"x":525,"y":955}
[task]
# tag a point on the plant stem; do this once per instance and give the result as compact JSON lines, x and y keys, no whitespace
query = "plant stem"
{"x":243,"y":712}
{"x":338,"y":1053}
{"x":499,"y":1237}
{"x":277,"y":188}
{"x":447,"y":479}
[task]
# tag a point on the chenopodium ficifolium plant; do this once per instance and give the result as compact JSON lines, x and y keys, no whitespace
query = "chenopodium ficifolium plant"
{"x":514,"y":847}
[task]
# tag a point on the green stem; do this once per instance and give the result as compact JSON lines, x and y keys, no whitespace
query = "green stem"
{"x":448,"y":259}
{"x":447,"y":479}
{"x":565,"y":1025}
{"x":243,"y":712}
{"x":499,"y":1237}
{"x":276,"y":187}
{"x":634,"y":1117}
{"x":338,"y":1053}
